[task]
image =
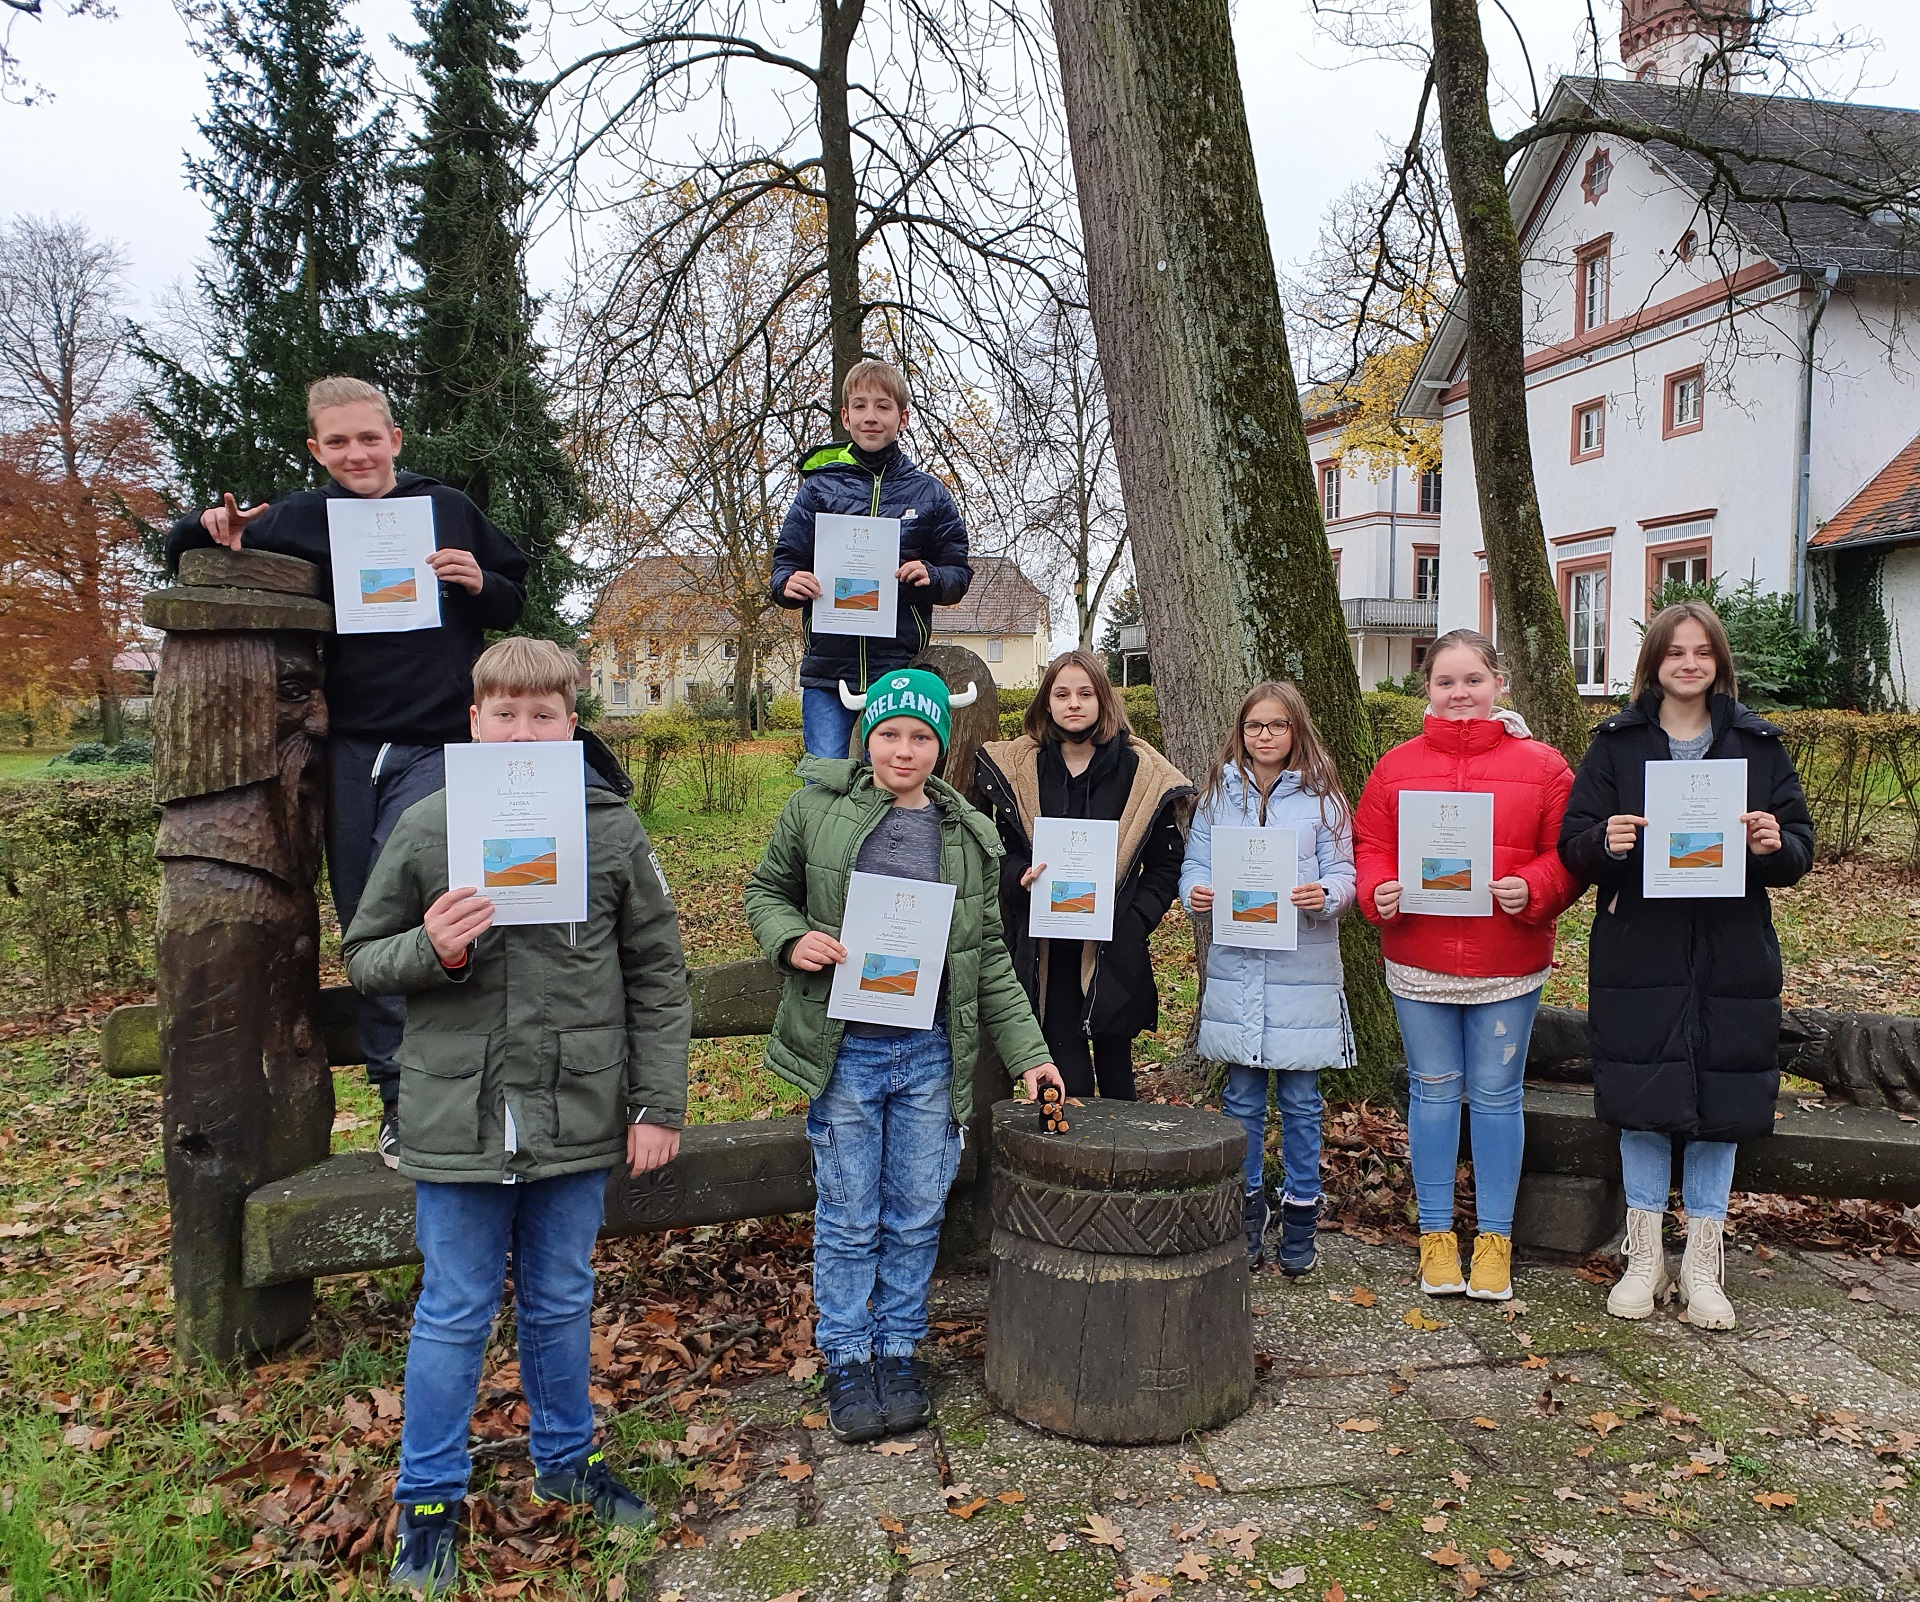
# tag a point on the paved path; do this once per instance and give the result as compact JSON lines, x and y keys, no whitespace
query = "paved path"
{"x":1539,"y":1450}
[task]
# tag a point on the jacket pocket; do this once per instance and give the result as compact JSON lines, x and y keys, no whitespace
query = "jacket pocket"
{"x":589,"y":1095}
{"x":441,"y":1077}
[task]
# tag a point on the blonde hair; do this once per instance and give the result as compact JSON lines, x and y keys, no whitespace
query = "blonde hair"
{"x":1308,"y":755}
{"x":520,"y":666}
{"x":1467,"y":640}
{"x":1659,"y":635}
{"x":1038,"y":724}
{"x":872,"y":373}
{"x":337,"y":391}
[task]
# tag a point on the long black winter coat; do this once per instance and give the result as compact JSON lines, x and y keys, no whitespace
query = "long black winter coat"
{"x":1132,"y":784}
{"x":1684,"y":995}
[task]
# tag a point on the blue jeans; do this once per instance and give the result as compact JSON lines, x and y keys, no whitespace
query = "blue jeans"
{"x":825,"y":725}
{"x":465,"y":1233}
{"x":1481,"y":1052}
{"x":885,"y":1150}
{"x":369,"y":784}
{"x":1706,"y":1173}
{"x":1298,"y":1093}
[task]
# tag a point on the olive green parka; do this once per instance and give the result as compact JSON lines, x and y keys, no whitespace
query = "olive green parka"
{"x":529,"y":1062}
{"x":801,"y":884}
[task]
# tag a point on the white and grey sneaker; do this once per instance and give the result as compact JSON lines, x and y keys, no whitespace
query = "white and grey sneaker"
{"x":387,"y":1143}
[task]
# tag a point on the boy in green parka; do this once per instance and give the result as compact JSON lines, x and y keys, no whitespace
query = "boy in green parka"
{"x":536,"y":1057}
{"x":887,"y":1104}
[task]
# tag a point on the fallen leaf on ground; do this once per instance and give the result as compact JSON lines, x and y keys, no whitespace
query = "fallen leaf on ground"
{"x":1060,"y":1542}
{"x":1434,"y":1523}
{"x":791,"y":1596}
{"x":1187,"y":1533}
{"x":1860,"y":1293}
{"x":1360,"y":1296}
{"x":803,"y":1368}
{"x":1287,"y":1579}
{"x":892,"y":1525}
{"x":746,"y":1534}
{"x":1775,"y":1500}
{"x":894,"y":1448}
{"x":1499,"y":1559}
{"x":1605,"y":1422}
{"x":1567,"y":1493}
{"x":1238,"y":1539}
{"x":1010,"y":1498}
{"x":1193,"y":1567}
{"x":1415,"y":1319}
{"x":1461,"y":1479}
{"x":793,"y":1469}
{"x":1102,"y":1531}
{"x":966,"y":1510}
{"x":1535,"y":1361}
{"x":616,"y":1587}
{"x":1559,"y":1557}
{"x":1486,"y":1423}
{"x":814,"y":1421}
{"x":1359,"y":1426}
{"x":1334,"y":1593}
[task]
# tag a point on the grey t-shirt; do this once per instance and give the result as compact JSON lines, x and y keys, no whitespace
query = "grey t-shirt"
{"x":905,"y":844}
{"x":1694,"y":750}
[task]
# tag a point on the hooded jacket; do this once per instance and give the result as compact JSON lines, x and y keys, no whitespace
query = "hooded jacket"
{"x":833,"y":478}
{"x":413,"y":688}
{"x":1132,"y":784}
{"x":1529,"y":781}
{"x":1683,"y":993}
{"x":529,"y":1061}
{"x":801,"y":884}
{"x":1277,"y":1009}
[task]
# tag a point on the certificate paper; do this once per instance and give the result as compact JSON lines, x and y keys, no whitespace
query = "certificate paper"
{"x":517,"y":828}
{"x":1695,"y":843}
{"x":896,"y":938}
{"x":855,"y":558}
{"x":381,"y":581}
{"x":1073,"y":899}
{"x":1446,"y":853}
{"x":1254,"y":872}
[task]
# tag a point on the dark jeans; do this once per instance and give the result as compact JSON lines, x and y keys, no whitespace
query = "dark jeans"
{"x":466,"y":1233}
{"x":1104,"y":1059}
{"x":369,"y":784}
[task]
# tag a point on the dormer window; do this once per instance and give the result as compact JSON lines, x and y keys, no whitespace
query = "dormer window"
{"x":1689,"y":243}
{"x":1599,"y":173}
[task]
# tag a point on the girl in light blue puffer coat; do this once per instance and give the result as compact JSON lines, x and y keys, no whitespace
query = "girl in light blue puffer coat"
{"x":1279,"y":1015}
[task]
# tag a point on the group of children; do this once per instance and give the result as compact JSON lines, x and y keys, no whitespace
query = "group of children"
{"x":518,"y":1064}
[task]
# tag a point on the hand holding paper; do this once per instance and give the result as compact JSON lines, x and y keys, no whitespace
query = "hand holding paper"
{"x":814,"y":951}
{"x":455,"y":920}
{"x":455,"y":566}
{"x":1697,"y":827}
{"x":1763,"y":833}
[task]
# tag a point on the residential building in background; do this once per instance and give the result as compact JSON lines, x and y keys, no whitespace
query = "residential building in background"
{"x":1384,"y":531}
{"x":1685,"y":350}
{"x":1004,"y":620}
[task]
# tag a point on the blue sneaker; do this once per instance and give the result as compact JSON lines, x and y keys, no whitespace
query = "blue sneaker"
{"x":591,"y":1482}
{"x":423,"y":1560}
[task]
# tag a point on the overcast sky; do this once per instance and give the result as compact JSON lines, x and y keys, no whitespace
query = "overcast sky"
{"x":107,"y":146}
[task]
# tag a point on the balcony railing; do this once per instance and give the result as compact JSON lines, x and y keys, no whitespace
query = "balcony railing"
{"x":1374,"y":614}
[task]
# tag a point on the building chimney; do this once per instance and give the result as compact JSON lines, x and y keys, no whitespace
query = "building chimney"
{"x":1672,"y":41}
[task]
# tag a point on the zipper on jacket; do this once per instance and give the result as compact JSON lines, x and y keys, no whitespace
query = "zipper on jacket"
{"x":861,"y":646}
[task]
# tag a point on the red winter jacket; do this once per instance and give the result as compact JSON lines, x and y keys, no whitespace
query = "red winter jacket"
{"x":1529,"y":782}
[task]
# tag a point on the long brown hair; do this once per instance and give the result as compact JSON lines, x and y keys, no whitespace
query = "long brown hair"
{"x":1038,"y":724}
{"x":1308,"y":756}
{"x":1659,"y":636}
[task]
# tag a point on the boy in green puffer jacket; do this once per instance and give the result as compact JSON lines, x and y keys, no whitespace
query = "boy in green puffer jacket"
{"x":876,"y":1224}
{"x":536,"y":1057}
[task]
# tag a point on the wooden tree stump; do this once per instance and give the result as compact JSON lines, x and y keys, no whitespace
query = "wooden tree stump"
{"x":239,"y":771}
{"x":1118,"y":1301}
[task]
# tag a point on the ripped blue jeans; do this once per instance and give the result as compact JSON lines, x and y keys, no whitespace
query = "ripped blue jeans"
{"x":1477,"y":1052}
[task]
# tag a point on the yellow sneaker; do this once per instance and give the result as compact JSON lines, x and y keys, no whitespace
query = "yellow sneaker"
{"x":1440,"y":1264}
{"x":1492,"y":1269}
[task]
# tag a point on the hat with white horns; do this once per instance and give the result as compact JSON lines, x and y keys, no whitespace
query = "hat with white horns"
{"x":910,"y":693}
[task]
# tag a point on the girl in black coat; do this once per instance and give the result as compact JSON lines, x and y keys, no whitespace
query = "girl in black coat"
{"x":1078,"y":759}
{"x":1683,"y":994}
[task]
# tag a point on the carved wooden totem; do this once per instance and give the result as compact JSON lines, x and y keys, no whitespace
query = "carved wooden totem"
{"x":240,"y":729}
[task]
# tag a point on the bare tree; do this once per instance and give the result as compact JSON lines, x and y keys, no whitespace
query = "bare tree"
{"x":923,"y":131}
{"x":14,"y":85}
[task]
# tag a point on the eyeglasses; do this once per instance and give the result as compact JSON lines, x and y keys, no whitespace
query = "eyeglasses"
{"x":1278,"y":727}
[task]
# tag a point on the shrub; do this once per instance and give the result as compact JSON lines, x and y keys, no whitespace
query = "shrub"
{"x":132,"y":752}
{"x":784,"y":712}
{"x":88,"y":753}
{"x":1413,"y":684}
{"x":1779,"y":663}
{"x":1394,"y":718}
{"x":1861,"y":772}
{"x":589,"y":707}
{"x":78,"y":884}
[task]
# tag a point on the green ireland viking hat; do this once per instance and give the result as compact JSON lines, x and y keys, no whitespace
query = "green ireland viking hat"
{"x":910,"y":693}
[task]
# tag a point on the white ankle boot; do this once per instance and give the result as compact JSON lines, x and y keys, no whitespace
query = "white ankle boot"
{"x":1646,"y":1279}
{"x":1702,"y":1275}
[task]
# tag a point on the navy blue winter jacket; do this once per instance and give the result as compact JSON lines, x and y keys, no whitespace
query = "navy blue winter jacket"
{"x":834,"y":479}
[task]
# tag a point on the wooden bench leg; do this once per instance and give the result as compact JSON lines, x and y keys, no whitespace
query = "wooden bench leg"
{"x":1568,"y":1213}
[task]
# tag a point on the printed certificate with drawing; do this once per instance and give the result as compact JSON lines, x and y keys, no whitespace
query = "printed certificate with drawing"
{"x":1446,"y":853}
{"x":855,"y":558}
{"x":381,"y":581}
{"x":1694,"y":843}
{"x":1073,"y":899}
{"x":1254,"y":872}
{"x":895,"y":933}
{"x":517,"y":828}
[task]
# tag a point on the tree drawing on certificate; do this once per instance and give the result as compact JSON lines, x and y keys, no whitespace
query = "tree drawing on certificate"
{"x":1694,"y":849}
{"x":856,"y":595}
{"x":515,"y":862}
{"x":387,"y":586}
{"x":1256,"y":906}
{"x":889,"y":976}
{"x":1446,"y":873}
{"x":1072,"y":895}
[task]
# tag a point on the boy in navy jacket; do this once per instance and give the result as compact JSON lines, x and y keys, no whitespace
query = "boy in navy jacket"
{"x":393,"y":700}
{"x":869,"y":476}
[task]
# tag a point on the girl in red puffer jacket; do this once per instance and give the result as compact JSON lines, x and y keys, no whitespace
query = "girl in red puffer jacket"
{"x":1466,"y":988}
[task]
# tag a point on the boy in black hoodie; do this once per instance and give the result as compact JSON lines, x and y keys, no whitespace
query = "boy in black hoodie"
{"x":869,"y":476}
{"x":393,"y":700}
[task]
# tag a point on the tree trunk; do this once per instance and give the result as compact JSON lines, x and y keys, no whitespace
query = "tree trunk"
{"x":1234,"y":574}
{"x":1532,"y":628}
{"x":839,"y":23}
{"x":744,"y":680}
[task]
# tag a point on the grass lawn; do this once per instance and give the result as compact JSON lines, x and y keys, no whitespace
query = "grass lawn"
{"x":122,"y":1476}
{"x":18,"y":764}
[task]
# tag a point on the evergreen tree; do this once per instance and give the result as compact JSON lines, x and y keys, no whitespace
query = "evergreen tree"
{"x":296,"y":288}
{"x":478,"y":408}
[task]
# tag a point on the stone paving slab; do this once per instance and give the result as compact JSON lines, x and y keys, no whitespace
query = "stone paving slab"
{"x":1740,"y":1464}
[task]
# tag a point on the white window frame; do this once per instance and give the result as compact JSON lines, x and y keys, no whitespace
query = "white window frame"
{"x":1587,"y":627}
{"x":1330,"y":474}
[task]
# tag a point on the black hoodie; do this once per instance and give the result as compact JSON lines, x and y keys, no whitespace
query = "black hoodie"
{"x":412,"y":688}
